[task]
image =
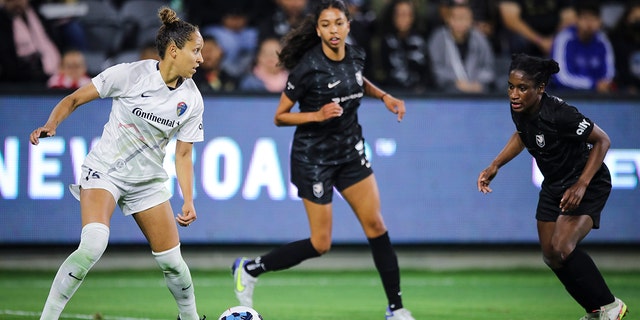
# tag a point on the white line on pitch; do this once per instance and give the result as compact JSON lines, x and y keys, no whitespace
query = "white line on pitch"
{"x":66,"y":315}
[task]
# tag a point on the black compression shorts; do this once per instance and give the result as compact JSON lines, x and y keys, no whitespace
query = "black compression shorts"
{"x":593,"y":201}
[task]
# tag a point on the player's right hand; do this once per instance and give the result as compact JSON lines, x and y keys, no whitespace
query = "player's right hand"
{"x":330,"y":110}
{"x":41,"y":132}
{"x":485,"y":177}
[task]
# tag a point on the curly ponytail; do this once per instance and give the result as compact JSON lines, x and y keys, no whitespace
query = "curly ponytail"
{"x":173,"y":29}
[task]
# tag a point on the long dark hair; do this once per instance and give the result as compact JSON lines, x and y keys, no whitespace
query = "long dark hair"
{"x":535,"y":68}
{"x":304,"y":37}
{"x":172,"y":30}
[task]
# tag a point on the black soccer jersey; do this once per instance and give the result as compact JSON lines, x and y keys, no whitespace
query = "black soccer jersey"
{"x":557,"y":138}
{"x":316,"y":81}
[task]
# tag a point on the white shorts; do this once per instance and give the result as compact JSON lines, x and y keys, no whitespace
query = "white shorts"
{"x":131,"y":197}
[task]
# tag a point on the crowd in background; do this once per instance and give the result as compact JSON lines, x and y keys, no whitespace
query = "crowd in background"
{"x":413,"y":46}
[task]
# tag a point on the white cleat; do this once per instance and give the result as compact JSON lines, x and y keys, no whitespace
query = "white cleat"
{"x":243,"y":282}
{"x":613,"y":311}
{"x":400,"y":314}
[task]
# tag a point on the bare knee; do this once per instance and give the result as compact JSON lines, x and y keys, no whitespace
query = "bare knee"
{"x":557,"y":254}
{"x":374,"y":228}
{"x":321,"y":244}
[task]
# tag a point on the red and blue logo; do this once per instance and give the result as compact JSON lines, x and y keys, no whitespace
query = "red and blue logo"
{"x":181,"y":108}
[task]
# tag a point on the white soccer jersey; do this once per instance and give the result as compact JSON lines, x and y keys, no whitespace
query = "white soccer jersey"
{"x":145,"y":115}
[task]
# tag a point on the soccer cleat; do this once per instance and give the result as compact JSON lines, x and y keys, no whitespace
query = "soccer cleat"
{"x":400,"y":314}
{"x":613,"y":311}
{"x":616,"y":310}
{"x":243,"y":282}
{"x":599,"y":314}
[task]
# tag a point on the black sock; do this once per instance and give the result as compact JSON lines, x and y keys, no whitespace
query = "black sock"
{"x":386,"y":261}
{"x":283,"y":257}
{"x":583,"y":281}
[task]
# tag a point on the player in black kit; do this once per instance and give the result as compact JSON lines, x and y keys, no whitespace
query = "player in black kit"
{"x":569,"y":149}
{"x":328,"y":149}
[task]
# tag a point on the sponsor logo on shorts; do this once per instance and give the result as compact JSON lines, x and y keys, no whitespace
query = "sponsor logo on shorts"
{"x":318,"y":189}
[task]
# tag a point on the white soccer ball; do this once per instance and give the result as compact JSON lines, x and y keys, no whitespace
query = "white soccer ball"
{"x":240,"y":313}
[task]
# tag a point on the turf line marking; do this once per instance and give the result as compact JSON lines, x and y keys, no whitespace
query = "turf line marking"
{"x":66,"y":315}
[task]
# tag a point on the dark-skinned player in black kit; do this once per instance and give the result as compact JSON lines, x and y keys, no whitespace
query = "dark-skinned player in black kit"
{"x":569,"y":150}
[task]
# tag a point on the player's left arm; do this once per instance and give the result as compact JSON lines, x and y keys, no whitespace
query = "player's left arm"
{"x":573,"y":195}
{"x":184,"y":173}
{"x":392,"y":103}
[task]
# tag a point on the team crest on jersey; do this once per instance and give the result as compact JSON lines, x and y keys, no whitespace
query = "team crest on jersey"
{"x":359,"y":78}
{"x":540,"y":140}
{"x":181,"y":108}
{"x":318,"y":189}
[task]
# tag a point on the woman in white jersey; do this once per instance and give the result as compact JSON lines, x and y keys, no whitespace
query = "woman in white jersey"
{"x":152,"y":102}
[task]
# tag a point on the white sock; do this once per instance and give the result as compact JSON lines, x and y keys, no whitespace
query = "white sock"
{"x":93,"y":242}
{"x":178,"y":279}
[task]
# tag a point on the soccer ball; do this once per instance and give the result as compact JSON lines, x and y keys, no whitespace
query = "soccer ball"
{"x":240,"y":313}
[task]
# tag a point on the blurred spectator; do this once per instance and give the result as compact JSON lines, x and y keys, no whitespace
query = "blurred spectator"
{"x":72,"y":73}
{"x":462,"y":59}
{"x":288,"y":14}
{"x":531,"y":24}
{"x":205,"y":13}
{"x":149,"y":51}
{"x":27,"y":52}
{"x":210,"y":77}
{"x":625,"y":38}
{"x":403,"y":50}
{"x":237,"y":39}
{"x":584,"y":53}
{"x":105,"y":31}
{"x":267,"y":75}
{"x":485,"y":14}
{"x":362,"y":30}
{"x":62,"y":16}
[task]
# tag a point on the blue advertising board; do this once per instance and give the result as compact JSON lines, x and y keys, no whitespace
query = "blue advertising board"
{"x":426,"y":168}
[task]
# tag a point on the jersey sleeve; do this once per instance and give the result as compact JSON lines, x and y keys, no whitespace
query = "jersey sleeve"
{"x":295,"y":87}
{"x":111,"y":81}
{"x":191,"y":130}
{"x":573,"y":124}
{"x":358,"y":55}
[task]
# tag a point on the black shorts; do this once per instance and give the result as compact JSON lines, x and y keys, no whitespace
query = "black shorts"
{"x":315,"y":182}
{"x":593,"y":201}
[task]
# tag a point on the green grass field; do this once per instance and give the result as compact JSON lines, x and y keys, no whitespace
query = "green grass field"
{"x":292,"y":294}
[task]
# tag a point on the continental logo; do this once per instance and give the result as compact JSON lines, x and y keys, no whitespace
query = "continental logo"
{"x":152,"y":117}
